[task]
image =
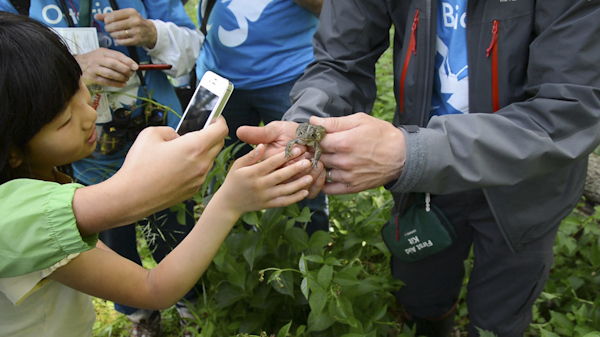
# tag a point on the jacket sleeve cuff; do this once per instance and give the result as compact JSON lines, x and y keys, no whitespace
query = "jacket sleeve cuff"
{"x":414,"y":163}
{"x":162,"y":38}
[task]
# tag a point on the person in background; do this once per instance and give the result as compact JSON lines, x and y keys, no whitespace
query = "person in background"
{"x":497,"y":111}
{"x":130,"y":32}
{"x":54,"y":126}
{"x":262,"y":47}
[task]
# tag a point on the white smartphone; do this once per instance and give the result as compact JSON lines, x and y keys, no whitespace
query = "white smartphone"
{"x":206,"y":104}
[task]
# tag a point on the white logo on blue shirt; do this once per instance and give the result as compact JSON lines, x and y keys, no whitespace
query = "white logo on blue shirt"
{"x":244,"y":11}
{"x":451,"y":81}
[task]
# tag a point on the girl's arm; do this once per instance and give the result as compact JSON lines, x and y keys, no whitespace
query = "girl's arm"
{"x":160,"y":170}
{"x":249,"y":186}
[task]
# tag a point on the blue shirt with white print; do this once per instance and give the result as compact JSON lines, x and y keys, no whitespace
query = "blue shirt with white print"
{"x":451,"y":78}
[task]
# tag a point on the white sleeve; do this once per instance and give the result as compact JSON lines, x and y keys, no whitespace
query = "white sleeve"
{"x":16,"y":289}
{"x":177,"y":46}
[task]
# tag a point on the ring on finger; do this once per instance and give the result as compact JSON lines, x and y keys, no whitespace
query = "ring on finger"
{"x":328,"y":179}
{"x":126,"y":33}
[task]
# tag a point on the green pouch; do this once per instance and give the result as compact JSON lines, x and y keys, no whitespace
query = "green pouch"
{"x":422,"y":230}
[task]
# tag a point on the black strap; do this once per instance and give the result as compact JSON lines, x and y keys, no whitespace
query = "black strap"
{"x":22,"y":6}
{"x":209,"y":6}
{"x":132,"y":51}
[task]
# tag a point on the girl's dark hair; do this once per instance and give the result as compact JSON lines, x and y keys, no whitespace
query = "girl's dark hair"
{"x":38,"y":77}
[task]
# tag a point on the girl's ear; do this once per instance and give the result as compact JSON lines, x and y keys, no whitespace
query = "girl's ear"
{"x":15,"y":157}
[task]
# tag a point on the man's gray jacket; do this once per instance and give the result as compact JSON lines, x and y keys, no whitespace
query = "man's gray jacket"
{"x":534,"y":99}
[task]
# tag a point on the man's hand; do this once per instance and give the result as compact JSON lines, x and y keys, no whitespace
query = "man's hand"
{"x":361,"y":151}
{"x":128,"y":28}
{"x":106,"y":67}
{"x":275,"y":136}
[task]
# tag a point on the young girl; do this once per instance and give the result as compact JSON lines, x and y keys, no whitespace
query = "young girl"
{"x":53,"y":301}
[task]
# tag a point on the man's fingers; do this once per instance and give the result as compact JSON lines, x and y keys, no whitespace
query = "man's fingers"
{"x":337,"y":124}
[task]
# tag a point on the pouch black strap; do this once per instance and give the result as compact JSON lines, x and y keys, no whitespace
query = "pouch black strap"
{"x":22,"y":6}
{"x":209,"y":6}
{"x":132,"y":51}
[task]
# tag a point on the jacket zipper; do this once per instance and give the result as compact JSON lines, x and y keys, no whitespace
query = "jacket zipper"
{"x":412,"y":50}
{"x":493,"y":49}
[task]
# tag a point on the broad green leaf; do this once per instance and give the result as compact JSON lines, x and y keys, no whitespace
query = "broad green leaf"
{"x":560,"y":320}
{"x":250,"y":218}
{"x":332,"y":261}
{"x":302,"y":264}
{"x":317,"y":301}
{"x":228,"y":295}
{"x":270,"y":218}
{"x":319,"y":239}
{"x":325,"y":274}
{"x":253,"y":247}
{"x":283,"y":332}
{"x":304,"y":216}
{"x":546,"y":333}
{"x":304,"y":287}
{"x":319,"y":322}
{"x":485,"y":333}
{"x":315,"y":258}
{"x":345,"y":278}
{"x":593,"y":334}
{"x":379,"y":313}
{"x":297,"y":237}
{"x":576,"y":282}
{"x":285,"y":284}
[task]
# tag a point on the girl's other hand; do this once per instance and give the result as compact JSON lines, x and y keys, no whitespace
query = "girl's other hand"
{"x":251,"y":185}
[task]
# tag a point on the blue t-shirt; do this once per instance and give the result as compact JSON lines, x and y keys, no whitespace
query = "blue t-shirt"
{"x":257,"y":43}
{"x":451,"y":80}
{"x":100,"y":167}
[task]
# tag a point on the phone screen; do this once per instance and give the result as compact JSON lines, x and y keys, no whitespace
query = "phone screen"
{"x":198,"y":111}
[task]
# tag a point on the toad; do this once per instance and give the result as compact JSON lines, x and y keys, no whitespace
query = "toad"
{"x":309,"y":135}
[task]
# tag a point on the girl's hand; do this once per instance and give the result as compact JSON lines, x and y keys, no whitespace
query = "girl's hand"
{"x":251,"y":185}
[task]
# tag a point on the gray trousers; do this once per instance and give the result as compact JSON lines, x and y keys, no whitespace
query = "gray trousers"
{"x":503,"y":285}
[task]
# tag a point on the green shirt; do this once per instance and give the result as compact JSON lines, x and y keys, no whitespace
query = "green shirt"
{"x":37,"y":226}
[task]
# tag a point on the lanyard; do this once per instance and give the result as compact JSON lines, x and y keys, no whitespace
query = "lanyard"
{"x":132,"y":51}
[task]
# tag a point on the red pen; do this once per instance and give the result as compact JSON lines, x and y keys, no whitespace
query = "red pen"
{"x":154,"y":66}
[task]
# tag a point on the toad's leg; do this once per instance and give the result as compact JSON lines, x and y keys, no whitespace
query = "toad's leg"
{"x":288,"y":148}
{"x":315,"y":159}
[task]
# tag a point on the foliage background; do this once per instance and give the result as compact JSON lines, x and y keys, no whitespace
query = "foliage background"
{"x":273,"y":279}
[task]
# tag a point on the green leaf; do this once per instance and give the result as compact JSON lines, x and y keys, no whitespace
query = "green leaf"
{"x":304,"y":287}
{"x":238,"y":277}
{"x":253,"y":247}
{"x":345,"y":278}
{"x":283,"y":332}
{"x":325,"y":275}
{"x":271,"y":217}
{"x":317,"y":301}
{"x":319,"y":322}
{"x":593,"y":334}
{"x":379,"y":313}
{"x":485,"y":333}
{"x":285,"y":284}
{"x":302,"y":264}
{"x":595,"y":255}
{"x":546,"y":333}
{"x":304,"y":216}
{"x":250,"y":218}
{"x":297,"y":237}
{"x":332,"y":261}
{"x":560,"y":320}
{"x":319,"y":239}
{"x":576,"y":282}
{"x":315,"y":258}
{"x":228,"y":295}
